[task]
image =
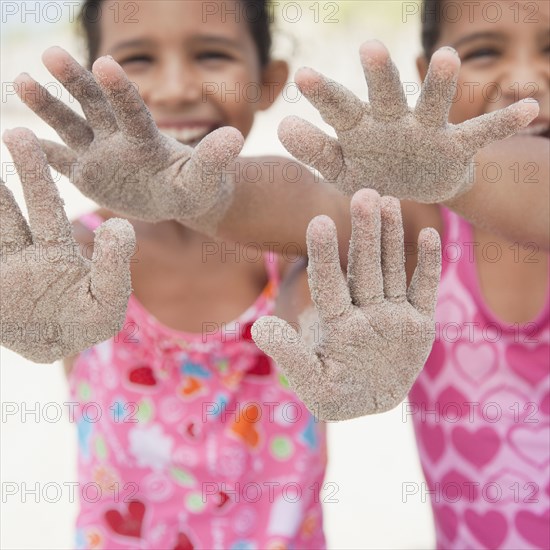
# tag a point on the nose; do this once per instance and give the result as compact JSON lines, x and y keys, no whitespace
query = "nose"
{"x":177,"y":85}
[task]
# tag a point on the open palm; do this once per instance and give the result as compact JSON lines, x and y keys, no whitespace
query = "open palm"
{"x":374,"y":335}
{"x":55,"y":302}
{"x":117,"y":156}
{"x":387,"y":146}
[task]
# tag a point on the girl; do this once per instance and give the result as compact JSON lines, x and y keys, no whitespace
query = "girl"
{"x":195,"y":439}
{"x":200,"y":443}
{"x":488,"y":463}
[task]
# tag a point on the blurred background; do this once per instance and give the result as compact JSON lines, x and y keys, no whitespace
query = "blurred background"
{"x":373,"y":460}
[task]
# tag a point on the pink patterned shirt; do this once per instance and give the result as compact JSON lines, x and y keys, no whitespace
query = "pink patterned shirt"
{"x":194,"y":440}
{"x":481,"y":414}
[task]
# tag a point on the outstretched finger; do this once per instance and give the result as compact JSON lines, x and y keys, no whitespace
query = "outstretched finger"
{"x":83,"y":87}
{"x":327,"y":284}
{"x":422,"y":292}
{"x":337,"y":105}
{"x":70,"y":126}
{"x":131,"y":113}
{"x":393,"y":252}
{"x":285,"y":346}
{"x":365,"y":281}
{"x":312,"y":146}
{"x":47,"y":219}
{"x":485,"y":129}
{"x":14,"y":231}
{"x":386,"y":95}
{"x":439,"y":88}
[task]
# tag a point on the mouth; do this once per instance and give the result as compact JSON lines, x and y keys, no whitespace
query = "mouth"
{"x":188,"y":134}
{"x":537,"y":129}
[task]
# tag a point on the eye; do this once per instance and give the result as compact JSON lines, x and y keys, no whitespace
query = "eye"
{"x":135,"y":59}
{"x":481,"y":53}
{"x":217,"y":55}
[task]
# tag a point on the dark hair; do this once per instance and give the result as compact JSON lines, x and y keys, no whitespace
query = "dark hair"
{"x":431,"y":25}
{"x":255,"y":12}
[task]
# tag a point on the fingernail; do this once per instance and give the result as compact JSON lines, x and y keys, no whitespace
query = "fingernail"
{"x":21,"y":76}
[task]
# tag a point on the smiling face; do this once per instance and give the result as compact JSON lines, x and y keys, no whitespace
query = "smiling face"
{"x":505,"y":57}
{"x":195,"y":70}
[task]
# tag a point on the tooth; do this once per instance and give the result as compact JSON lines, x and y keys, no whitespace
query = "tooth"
{"x":186,"y":135}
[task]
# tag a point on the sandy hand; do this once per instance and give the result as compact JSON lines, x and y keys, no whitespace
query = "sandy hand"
{"x":117,"y":156}
{"x":387,"y":146}
{"x":373,"y":335}
{"x":55,"y":302}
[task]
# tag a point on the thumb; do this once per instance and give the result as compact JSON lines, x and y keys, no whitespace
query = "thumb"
{"x":479,"y":132}
{"x":285,"y":346}
{"x":205,"y":170}
{"x":114,"y":245}
{"x":310,"y":145}
{"x":218,"y":148}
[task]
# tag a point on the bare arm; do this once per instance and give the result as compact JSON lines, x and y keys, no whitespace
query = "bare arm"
{"x":274,"y":210}
{"x":510,"y":196}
